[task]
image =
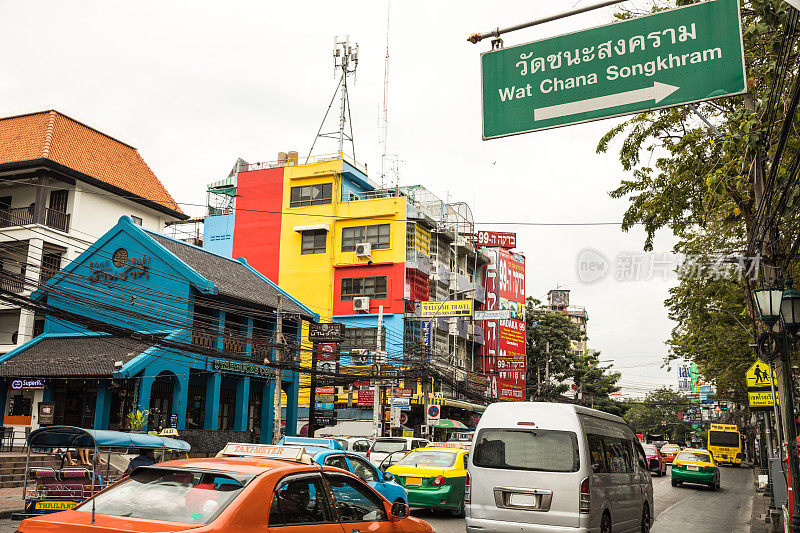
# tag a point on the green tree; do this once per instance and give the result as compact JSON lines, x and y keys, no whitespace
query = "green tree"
{"x":595,"y":383}
{"x":549,"y":337}
{"x":705,"y":185}
{"x":659,"y":412}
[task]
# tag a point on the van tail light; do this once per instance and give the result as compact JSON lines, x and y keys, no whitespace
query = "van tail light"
{"x":369,"y":452}
{"x":467,"y":491}
{"x":739,"y":455}
{"x":438,"y":480}
{"x":586,"y":498}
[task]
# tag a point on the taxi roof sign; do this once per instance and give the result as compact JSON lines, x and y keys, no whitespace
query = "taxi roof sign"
{"x":758,"y":376}
{"x":455,"y":445}
{"x":241,"y":449}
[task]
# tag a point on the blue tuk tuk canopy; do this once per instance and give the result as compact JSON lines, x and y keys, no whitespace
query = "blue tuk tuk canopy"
{"x":74,"y":437}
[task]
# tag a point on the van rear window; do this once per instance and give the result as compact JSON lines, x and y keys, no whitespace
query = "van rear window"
{"x":534,"y":449}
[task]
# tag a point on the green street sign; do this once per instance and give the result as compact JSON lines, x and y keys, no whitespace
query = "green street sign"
{"x":674,"y":57}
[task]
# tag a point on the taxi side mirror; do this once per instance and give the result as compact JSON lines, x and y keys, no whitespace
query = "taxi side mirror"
{"x":399,"y":510}
{"x":388,"y":476}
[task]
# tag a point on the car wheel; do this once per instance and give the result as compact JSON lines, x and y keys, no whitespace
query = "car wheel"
{"x":646,"y":519}
{"x":674,"y":483}
{"x":713,"y":486}
{"x":605,"y":523}
{"x":459,"y":513}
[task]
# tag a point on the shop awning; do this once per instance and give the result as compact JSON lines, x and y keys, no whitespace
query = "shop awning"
{"x":449,"y":423}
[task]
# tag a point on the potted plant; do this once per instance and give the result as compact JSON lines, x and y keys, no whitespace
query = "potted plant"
{"x":138,"y":421}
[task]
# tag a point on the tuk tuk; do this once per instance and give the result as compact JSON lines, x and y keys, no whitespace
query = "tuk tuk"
{"x":49,"y":490}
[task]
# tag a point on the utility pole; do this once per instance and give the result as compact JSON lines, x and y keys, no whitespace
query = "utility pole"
{"x":279,"y":358}
{"x":376,"y":399}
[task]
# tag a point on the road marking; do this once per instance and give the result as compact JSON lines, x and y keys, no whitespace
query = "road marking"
{"x":657,"y":92}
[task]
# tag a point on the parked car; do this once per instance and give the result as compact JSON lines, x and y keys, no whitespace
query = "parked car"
{"x":231,"y":493}
{"x":386,"y":451}
{"x":655,"y":462}
{"x":538,"y":466}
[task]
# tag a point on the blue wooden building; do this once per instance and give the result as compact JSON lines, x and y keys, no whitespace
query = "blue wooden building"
{"x":144,"y":322}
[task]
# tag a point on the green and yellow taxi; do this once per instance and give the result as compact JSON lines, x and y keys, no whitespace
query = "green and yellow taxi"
{"x":434,"y":476}
{"x":695,"y":465}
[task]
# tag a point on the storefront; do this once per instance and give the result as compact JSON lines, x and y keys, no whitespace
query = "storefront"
{"x":146,"y":323}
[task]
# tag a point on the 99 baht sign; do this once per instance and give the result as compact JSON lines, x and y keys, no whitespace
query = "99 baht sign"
{"x":673,"y":57}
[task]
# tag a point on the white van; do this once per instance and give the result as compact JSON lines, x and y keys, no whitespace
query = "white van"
{"x":540,"y":467}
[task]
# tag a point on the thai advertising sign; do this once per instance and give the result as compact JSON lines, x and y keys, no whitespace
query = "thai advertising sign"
{"x":669,"y":58}
{"x":491,"y":239}
{"x":511,"y":360}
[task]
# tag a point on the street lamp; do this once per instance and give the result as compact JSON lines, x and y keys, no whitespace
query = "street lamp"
{"x":790,"y":308}
{"x":773,"y":304}
{"x":768,"y":304}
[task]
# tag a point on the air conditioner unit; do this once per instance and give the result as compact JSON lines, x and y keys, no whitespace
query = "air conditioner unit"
{"x":361,"y":304}
{"x":364,"y":249}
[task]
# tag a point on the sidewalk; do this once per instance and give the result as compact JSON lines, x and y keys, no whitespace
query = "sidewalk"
{"x":760,"y":513}
{"x":10,"y":501}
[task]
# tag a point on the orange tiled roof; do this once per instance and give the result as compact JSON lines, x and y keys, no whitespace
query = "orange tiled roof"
{"x":52,"y":135}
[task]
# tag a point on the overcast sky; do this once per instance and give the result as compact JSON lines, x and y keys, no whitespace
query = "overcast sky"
{"x":194,"y":85}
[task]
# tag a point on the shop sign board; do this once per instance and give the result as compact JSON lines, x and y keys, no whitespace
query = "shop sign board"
{"x":47,"y":411}
{"x":445,"y":308}
{"x":496,"y":314}
{"x":27,"y":384}
{"x":327,"y":351}
{"x":491,"y":239}
{"x":325,"y":390}
{"x":325,"y":398}
{"x":366,"y":397}
{"x":403,"y":393}
{"x":326,"y":332}
{"x":241,"y":367}
{"x":672,"y":57}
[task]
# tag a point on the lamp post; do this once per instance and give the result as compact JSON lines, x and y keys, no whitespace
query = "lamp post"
{"x":774,"y":304}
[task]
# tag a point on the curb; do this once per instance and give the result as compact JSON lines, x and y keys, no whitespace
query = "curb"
{"x":6,"y":513}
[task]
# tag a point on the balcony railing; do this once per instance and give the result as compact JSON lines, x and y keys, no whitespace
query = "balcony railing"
{"x":21,"y":216}
{"x":203,"y":338}
{"x":12,"y":281}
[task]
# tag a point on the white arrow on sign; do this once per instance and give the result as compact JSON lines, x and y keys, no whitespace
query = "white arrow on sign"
{"x":657,"y":92}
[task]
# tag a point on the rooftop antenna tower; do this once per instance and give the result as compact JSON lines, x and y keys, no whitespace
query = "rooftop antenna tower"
{"x":345,"y":61}
{"x":383,"y":125}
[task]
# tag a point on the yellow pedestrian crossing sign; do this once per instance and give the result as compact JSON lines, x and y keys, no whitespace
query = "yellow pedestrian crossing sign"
{"x":758,"y":376}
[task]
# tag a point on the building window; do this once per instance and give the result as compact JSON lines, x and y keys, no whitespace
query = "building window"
{"x":363,"y":338}
{"x":353,"y":197}
{"x":136,"y":220}
{"x":377,"y":235}
{"x":313,"y":242}
{"x":373,"y":287}
{"x":311,"y":195}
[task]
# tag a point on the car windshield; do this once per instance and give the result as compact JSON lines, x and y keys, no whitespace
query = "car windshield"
{"x":429,"y":459}
{"x":649,"y":449}
{"x":169,"y":495}
{"x":389,"y":446}
{"x":693,"y":457}
{"x":535,"y":449}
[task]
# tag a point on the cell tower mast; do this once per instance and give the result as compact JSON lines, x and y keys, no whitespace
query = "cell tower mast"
{"x":383,"y":125}
{"x":345,"y":61}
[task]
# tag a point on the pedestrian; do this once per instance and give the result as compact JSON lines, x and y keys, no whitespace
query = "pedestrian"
{"x":146,"y":457}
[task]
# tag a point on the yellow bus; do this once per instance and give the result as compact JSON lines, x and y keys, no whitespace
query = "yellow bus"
{"x":725,"y":444}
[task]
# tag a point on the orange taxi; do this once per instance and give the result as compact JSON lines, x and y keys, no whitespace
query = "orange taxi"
{"x":249,"y":488}
{"x":669,"y":451}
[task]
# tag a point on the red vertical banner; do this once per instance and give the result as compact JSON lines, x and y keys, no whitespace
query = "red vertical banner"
{"x":505,"y":359}
{"x":511,"y":360}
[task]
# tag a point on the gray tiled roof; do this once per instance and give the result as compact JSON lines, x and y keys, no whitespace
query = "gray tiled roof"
{"x":73,"y":356}
{"x":231,"y":277}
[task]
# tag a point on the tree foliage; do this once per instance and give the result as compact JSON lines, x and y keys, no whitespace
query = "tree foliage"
{"x":549,"y":337}
{"x":595,"y":383}
{"x":704,"y":184}
{"x":659,"y":412}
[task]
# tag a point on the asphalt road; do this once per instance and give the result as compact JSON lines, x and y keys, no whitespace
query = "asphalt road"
{"x":686,"y":509}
